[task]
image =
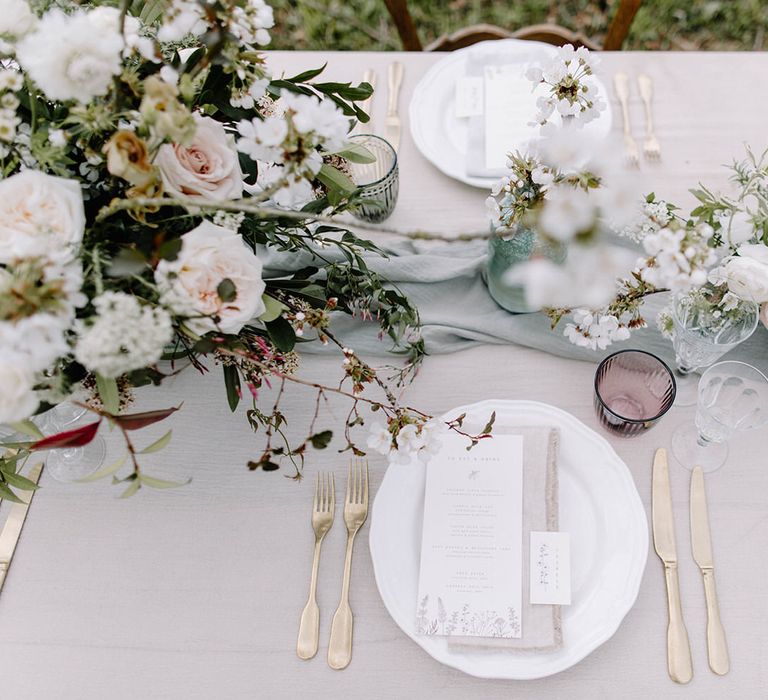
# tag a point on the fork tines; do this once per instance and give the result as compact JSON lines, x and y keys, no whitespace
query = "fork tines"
{"x":325,"y":493}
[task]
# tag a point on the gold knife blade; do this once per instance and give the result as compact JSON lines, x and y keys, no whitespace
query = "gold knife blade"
{"x":663,"y":518}
{"x":679,"y":663}
{"x":367,"y":105}
{"x":9,"y":536}
{"x":392,"y":124}
{"x":701,"y":545}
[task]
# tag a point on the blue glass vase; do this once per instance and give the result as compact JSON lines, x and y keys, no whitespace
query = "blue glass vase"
{"x":508,"y":248}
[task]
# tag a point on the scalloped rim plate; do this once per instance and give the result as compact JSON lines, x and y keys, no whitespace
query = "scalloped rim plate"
{"x":441,"y":137}
{"x":600,"y":508}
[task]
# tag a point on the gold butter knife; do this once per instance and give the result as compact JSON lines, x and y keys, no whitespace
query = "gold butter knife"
{"x":392,"y":122}
{"x":701,"y":545}
{"x":9,"y":537}
{"x":679,"y":662}
{"x":367,"y":105}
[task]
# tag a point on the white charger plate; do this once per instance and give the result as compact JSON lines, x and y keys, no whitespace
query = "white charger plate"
{"x":599,"y":507}
{"x":441,"y":136}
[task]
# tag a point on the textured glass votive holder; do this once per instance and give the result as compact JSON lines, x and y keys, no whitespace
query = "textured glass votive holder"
{"x":378,"y":182}
{"x":633,"y":390}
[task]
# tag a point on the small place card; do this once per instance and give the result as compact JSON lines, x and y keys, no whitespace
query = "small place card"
{"x":470,"y":582}
{"x":469,"y":96}
{"x":550,"y":568}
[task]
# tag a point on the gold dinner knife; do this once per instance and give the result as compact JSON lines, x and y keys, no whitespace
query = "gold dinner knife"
{"x":12,"y":529}
{"x":392,"y":122}
{"x":367,"y":105}
{"x":679,"y":662}
{"x":701,"y":545}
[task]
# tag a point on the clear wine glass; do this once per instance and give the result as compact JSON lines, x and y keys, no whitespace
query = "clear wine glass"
{"x":703,"y":334}
{"x":70,"y":463}
{"x":733,"y":396}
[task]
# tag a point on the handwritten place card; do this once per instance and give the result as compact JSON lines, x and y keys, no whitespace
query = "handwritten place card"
{"x":469,"y":96}
{"x":550,"y":568}
{"x":471,"y":553}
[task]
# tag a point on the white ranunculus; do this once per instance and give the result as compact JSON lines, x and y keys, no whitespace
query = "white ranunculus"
{"x":740,"y":228}
{"x":16,"y":19}
{"x":39,"y":214}
{"x":17,"y":397}
{"x":747,"y":273}
{"x":208,"y":169}
{"x":69,"y":58}
{"x":188,"y":285}
{"x":38,"y":339}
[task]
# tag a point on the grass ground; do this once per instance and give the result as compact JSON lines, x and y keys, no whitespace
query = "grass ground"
{"x":659,"y":24}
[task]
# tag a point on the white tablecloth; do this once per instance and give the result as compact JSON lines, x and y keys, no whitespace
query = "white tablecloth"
{"x":195,"y":593}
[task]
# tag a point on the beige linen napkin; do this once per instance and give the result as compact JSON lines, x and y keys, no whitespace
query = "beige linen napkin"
{"x":542,"y":624}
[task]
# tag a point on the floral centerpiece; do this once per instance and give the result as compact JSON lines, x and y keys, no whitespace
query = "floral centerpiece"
{"x":572,"y":193}
{"x":148,"y":156}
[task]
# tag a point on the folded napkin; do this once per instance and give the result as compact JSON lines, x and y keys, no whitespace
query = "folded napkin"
{"x":542,"y":624}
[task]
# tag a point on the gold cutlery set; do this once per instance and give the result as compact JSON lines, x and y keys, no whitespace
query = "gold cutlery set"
{"x":392,"y":122}
{"x":355,"y":514}
{"x":651,"y":147}
{"x":11,"y":531}
{"x":679,"y":663}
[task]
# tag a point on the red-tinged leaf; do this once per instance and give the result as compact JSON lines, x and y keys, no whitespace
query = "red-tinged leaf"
{"x":136,"y":421}
{"x":69,"y":438}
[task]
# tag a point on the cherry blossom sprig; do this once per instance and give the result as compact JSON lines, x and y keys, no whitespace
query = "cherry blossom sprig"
{"x":569,"y":92}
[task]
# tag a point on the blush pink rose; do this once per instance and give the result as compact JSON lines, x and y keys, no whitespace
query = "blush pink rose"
{"x":207,"y":169}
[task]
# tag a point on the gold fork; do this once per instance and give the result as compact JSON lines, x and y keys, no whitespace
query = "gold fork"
{"x":355,"y":513}
{"x":323,"y":508}
{"x":621,"y":85}
{"x":651,"y":146}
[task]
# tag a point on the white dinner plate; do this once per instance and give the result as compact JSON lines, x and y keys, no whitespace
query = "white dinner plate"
{"x":442,"y":137}
{"x":599,"y":507}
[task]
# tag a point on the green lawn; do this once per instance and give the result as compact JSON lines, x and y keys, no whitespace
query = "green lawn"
{"x":660,"y":24}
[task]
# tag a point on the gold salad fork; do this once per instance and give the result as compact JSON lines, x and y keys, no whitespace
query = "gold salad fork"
{"x":355,"y":513}
{"x":323,"y":508}
{"x":651,"y":146}
{"x":621,"y":85}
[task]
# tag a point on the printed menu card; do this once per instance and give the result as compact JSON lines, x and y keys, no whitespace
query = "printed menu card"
{"x":472,"y":539}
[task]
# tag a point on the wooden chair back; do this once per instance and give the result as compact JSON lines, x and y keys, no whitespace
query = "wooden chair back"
{"x":548,"y":33}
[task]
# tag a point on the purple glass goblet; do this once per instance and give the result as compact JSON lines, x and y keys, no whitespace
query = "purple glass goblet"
{"x":633,"y":389}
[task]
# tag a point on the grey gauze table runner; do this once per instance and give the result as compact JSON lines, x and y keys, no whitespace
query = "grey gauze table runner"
{"x":444,"y":280}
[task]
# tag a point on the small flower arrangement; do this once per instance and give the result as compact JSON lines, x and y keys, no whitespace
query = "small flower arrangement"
{"x":569,"y":191}
{"x":569,"y":92}
{"x":716,"y":258}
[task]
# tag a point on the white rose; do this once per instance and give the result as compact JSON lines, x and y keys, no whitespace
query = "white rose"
{"x":39,"y":214}
{"x":747,"y":273}
{"x":16,"y":19}
{"x":208,"y":169}
{"x":17,"y":398}
{"x":188,"y":285}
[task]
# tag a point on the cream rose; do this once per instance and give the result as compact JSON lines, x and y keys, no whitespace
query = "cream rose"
{"x":17,"y":398}
{"x":39,"y":214}
{"x":189,"y":285}
{"x":207,"y":169}
{"x":747,"y":273}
